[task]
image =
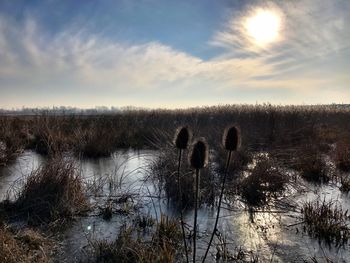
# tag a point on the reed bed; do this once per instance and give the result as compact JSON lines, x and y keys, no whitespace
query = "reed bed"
{"x":264,"y":127}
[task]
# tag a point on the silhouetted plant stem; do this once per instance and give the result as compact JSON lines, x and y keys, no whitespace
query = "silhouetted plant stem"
{"x":219,"y":205}
{"x":198,"y":160}
{"x":181,"y":211}
{"x":195,"y":215}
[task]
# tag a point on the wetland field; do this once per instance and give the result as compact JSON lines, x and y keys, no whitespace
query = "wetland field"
{"x":248,"y":183}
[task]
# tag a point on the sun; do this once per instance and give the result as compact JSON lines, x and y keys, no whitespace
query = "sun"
{"x":263,"y":26}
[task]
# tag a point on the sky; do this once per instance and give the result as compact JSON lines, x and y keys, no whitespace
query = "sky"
{"x":173,"y":54}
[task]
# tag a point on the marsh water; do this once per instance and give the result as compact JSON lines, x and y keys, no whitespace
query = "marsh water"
{"x":274,"y":235}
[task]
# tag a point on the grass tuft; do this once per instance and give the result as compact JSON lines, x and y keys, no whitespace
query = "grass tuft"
{"x":312,"y":165}
{"x":265,"y":181}
{"x":326,"y":220}
{"x":53,"y":191}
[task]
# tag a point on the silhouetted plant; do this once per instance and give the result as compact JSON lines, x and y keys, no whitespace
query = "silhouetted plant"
{"x":198,"y":160}
{"x":230,"y":141}
{"x":182,"y":139}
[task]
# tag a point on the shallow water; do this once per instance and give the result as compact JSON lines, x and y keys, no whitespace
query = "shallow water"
{"x":273,"y":235}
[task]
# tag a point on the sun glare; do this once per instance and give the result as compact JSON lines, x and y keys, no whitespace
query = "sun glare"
{"x":263,"y":26}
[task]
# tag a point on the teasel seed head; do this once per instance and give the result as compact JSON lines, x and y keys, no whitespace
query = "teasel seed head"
{"x":182,"y":138}
{"x":231,"y":138}
{"x":199,"y":154}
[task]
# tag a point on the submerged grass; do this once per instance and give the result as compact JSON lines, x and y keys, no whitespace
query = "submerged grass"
{"x":163,"y":245}
{"x":326,"y":220}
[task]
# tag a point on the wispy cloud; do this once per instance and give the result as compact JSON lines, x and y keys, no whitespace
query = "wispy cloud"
{"x":311,"y":31}
{"x":75,"y":66}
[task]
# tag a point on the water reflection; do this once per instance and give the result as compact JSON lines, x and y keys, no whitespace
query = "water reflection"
{"x":274,"y":236}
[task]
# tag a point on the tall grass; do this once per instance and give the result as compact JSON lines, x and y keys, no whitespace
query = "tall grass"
{"x":264,"y":126}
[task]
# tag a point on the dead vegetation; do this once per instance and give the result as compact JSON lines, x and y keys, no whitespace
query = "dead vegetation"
{"x":311,"y":165}
{"x":342,"y":155}
{"x":25,"y":246}
{"x":265,"y":181}
{"x":55,"y":191}
{"x":326,"y":221}
{"x":52,"y":192}
{"x":12,"y":140}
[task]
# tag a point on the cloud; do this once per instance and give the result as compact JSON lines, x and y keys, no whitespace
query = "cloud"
{"x":29,"y":56}
{"x":311,"y":31}
{"x":77,"y":67}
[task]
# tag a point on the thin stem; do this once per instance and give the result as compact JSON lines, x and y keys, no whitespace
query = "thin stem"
{"x":181,"y":212}
{"x":219,"y":206}
{"x":195,"y":216}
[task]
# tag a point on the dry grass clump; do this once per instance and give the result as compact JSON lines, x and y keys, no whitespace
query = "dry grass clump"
{"x":326,"y":220}
{"x":311,"y":164}
{"x":94,"y":143}
{"x":8,"y":151}
{"x":342,"y":155}
{"x":265,"y":181}
{"x":12,"y":140}
{"x":51,"y":192}
{"x":344,"y":184}
{"x":162,"y":246}
{"x":25,"y":246}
